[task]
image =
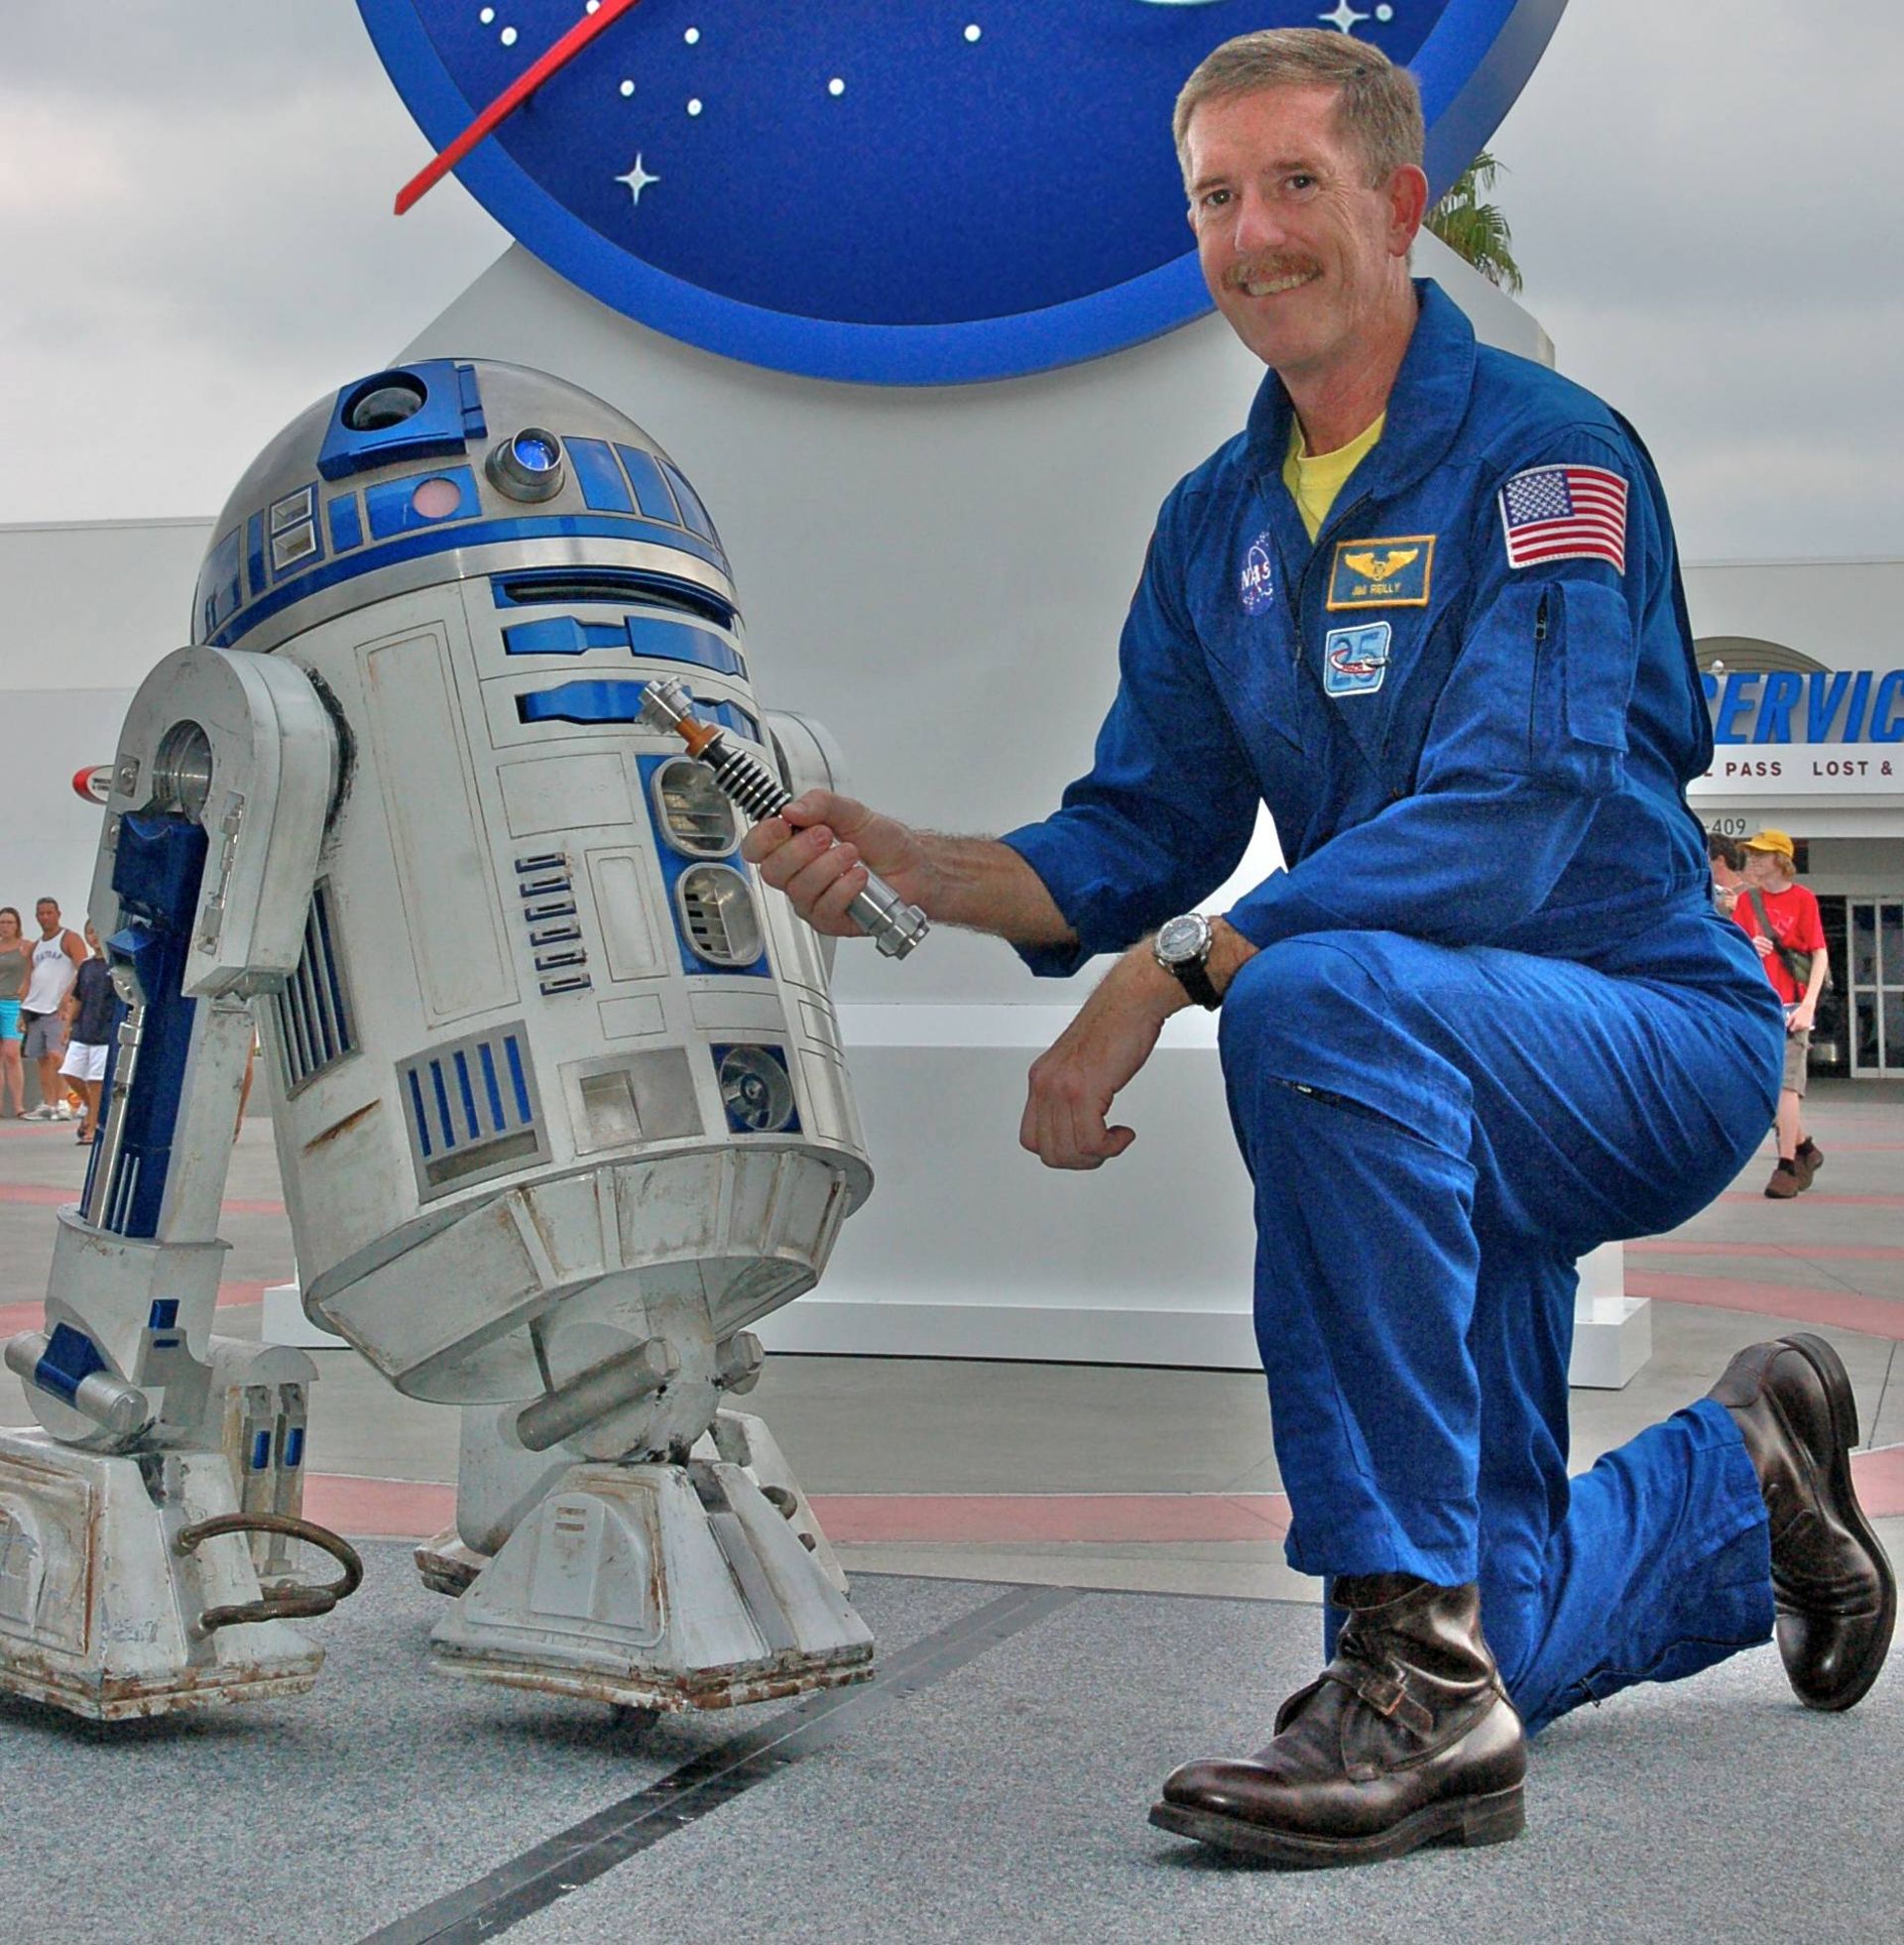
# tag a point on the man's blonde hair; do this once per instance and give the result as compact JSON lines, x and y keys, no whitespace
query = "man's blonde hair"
{"x":1378,"y":104}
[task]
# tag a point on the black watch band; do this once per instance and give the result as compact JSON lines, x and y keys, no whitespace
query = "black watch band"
{"x":1193,"y":975}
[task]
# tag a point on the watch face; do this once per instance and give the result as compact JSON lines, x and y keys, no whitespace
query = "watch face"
{"x":1182,"y":938}
{"x":897,"y":191}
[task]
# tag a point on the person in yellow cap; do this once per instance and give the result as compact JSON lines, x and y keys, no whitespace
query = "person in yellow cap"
{"x":1780,"y":918}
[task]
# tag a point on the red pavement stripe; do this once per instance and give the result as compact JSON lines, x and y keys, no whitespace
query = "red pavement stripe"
{"x":403,"y":1508}
{"x":1876,"y":1316}
{"x":51,"y":1197}
{"x":1789,"y":1252}
{"x":30,"y":1316}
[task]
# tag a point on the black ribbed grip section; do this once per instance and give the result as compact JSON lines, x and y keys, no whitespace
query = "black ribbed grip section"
{"x":746,"y":780}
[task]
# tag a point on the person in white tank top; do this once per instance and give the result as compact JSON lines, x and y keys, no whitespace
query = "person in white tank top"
{"x":58,"y":955}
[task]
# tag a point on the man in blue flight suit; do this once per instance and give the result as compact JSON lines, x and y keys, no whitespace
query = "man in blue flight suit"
{"x":1427,"y":608}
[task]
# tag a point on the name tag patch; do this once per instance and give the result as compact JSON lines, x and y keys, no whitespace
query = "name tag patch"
{"x":1354,"y":659}
{"x":1390,"y":573}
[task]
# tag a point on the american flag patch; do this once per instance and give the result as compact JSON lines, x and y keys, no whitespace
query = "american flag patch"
{"x":1565,"y":513}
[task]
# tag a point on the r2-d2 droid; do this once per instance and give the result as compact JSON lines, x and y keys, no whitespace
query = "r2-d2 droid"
{"x":558,"y":1094}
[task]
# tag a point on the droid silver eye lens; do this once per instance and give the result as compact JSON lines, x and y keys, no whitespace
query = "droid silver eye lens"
{"x":384,"y":401}
{"x":527,"y":467}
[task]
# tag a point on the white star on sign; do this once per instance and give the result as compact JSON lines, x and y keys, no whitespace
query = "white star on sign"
{"x":1344,"y":18}
{"x":637,"y":178}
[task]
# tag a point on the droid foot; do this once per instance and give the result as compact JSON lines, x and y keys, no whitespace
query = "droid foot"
{"x":105,"y":1613}
{"x":669,"y":1587}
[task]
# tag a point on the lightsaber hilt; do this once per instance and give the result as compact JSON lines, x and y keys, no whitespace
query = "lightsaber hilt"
{"x":895,"y":927}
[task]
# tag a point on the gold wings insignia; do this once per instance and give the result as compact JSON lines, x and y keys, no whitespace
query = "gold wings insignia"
{"x":1379,"y":566}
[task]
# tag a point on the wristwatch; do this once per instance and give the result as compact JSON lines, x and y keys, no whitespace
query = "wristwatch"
{"x":1182,"y":949}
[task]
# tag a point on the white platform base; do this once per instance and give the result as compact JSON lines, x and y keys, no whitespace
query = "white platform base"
{"x":1612,"y":1339}
{"x":99,"y":1612}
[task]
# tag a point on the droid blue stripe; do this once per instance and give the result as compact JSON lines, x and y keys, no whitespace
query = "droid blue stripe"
{"x":423,"y":1119}
{"x":563,"y":635}
{"x":692,"y":512}
{"x":674,"y":641}
{"x":597,"y":474}
{"x":165,"y":1313}
{"x":346,"y":524}
{"x":255,"y":553}
{"x":651,"y":488}
{"x":469,"y":1095}
{"x":442,"y":1103}
{"x":492,"y":1084}
{"x":516,"y":1074}
{"x":260,"y":1451}
{"x":294,"y":1448}
{"x":70,"y":1359}
{"x":445,"y":539}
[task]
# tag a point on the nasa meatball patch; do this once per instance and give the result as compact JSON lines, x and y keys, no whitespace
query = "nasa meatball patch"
{"x":1257,"y":582}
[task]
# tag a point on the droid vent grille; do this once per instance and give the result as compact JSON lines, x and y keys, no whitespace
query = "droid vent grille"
{"x":471,"y":1107}
{"x":718,"y":916}
{"x":312,"y":1012}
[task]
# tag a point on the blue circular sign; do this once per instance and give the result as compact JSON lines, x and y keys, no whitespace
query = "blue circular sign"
{"x":897,"y":192}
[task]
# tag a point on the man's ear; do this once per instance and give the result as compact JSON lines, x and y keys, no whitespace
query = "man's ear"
{"x":1408,"y":193}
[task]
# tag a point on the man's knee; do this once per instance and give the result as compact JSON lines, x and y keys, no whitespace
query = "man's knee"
{"x":1295,"y":996}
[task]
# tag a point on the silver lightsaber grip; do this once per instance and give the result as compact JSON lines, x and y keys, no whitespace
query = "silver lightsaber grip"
{"x":895,"y":927}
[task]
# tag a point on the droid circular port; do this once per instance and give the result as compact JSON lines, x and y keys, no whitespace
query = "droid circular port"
{"x":755,"y":1090}
{"x":182,"y":772}
{"x":527,"y":467}
{"x":385,"y":401}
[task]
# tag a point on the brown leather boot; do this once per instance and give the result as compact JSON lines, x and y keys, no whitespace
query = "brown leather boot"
{"x":1407,"y":1739}
{"x":1834,"y":1591}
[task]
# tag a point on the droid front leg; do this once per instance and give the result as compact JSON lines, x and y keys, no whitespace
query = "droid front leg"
{"x":127,"y":1581}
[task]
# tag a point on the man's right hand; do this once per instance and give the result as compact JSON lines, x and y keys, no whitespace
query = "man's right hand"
{"x":819,"y":849}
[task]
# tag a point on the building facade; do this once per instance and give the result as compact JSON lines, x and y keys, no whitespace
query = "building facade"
{"x":1802,"y":664}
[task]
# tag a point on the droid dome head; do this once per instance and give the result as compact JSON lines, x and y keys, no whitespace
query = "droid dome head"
{"x":433,"y":472}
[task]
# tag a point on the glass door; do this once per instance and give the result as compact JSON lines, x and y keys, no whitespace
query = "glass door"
{"x":1876,"y":970}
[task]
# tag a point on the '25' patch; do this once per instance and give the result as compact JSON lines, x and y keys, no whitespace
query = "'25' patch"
{"x":1354,"y":659}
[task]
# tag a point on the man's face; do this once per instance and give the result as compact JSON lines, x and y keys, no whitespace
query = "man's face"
{"x":1298,"y":251}
{"x":47,"y":914}
{"x":1764,"y":870}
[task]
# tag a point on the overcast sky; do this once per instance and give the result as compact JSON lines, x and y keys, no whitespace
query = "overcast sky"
{"x":195,"y":241}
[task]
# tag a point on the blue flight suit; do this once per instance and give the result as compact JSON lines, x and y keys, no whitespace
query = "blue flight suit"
{"x":1494,"y":1020}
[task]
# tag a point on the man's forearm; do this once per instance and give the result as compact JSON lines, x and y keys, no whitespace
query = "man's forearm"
{"x":985,"y":886}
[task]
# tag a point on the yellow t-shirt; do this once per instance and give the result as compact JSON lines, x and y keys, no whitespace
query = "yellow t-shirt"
{"x":1314,"y":479}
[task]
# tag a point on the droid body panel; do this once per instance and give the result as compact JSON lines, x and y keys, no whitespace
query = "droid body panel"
{"x":559,"y":1095}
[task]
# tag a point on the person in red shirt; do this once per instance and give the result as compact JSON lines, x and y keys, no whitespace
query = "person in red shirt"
{"x":1780,"y":916}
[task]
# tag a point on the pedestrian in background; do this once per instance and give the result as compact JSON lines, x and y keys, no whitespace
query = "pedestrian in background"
{"x":58,"y":955}
{"x":16,"y":969}
{"x":91,"y":1012}
{"x":1728,"y":868}
{"x":1780,"y":918}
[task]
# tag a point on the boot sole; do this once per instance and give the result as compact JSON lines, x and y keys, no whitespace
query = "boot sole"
{"x":1468,"y":1822}
{"x":1838,"y":1390}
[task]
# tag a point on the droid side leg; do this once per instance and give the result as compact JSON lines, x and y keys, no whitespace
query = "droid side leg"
{"x":127,"y":1584}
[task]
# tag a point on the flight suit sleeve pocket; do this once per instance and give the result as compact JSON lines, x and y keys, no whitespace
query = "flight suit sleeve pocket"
{"x":1580,"y":636}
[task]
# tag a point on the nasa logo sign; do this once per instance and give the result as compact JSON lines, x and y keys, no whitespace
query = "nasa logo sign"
{"x":1257,"y":582}
{"x":895,"y":191}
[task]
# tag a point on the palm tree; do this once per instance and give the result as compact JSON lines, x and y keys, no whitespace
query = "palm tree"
{"x":1475,"y":230}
